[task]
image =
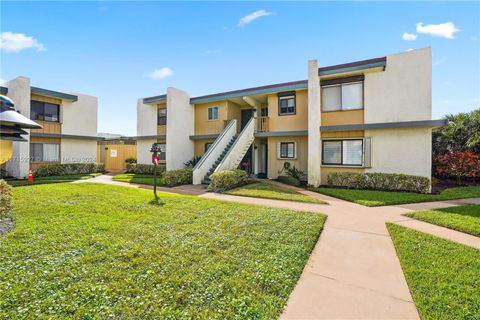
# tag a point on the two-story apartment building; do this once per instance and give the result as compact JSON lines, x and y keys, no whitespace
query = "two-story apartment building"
{"x":365,"y":116}
{"x":69,"y":127}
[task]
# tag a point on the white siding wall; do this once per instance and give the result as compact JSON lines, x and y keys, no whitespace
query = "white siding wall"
{"x":180,"y":125}
{"x":146,"y":126}
{"x":78,"y":151}
{"x":19,"y":92}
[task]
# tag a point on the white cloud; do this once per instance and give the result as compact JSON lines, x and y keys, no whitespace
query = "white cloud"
{"x":253,"y":16}
{"x":409,"y":36}
{"x":409,"y":49}
{"x":2,"y":82}
{"x":445,"y":30}
{"x":476,"y":100}
{"x":438,"y":62}
{"x":15,"y":42}
{"x":161,"y":73}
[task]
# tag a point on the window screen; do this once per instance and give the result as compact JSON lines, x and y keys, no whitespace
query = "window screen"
{"x":286,"y":105}
{"x":332,"y":98}
{"x":213,"y":113}
{"x":163,"y":151}
{"x":287,"y":150}
{"x":51,"y":152}
{"x":352,"y":152}
{"x":332,"y":152}
{"x":162,"y":116}
{"x":352,"y":96}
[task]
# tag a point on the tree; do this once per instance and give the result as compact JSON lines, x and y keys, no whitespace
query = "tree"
{"x":460,"y":135}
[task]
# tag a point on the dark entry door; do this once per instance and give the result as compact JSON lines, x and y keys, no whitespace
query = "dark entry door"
{"x":245,"y":116}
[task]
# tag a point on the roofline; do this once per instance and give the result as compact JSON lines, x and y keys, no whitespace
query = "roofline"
{"x":301,"y":84}
{"x":353,"y":66}
{"x":160,"y":98}
{"x":54,"y":94}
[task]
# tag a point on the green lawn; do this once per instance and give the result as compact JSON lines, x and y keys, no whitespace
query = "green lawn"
{"x":271,"y":191}
{"x":137,"y":178}
{"x":443,"y":276}
{"x":372,"y":198}
{"x":52,"y":179}
{"x":88,"y":251}
{"x":462,"y":218}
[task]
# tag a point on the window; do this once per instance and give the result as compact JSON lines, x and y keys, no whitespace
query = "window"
{"x":264,"y":112}
{"x":343,"y":152}
{"x":44,"y":111}
{"x":287,"y":150}
{"x":162,"y":116}
{"x":163,"y":151}
{"x":343,"y":96}
{"x":213,"y":113}
{"x":208,"y":145}
{"x":47,"y":152}
{"x":286,"y":103}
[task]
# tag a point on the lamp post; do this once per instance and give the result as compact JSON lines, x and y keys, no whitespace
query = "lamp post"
{"x":155,"y":150}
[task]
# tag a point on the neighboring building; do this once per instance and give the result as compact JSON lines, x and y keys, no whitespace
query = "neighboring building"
{"x":114,"y":149}
{"x":365,"y":116}
{"x":69,"y":127}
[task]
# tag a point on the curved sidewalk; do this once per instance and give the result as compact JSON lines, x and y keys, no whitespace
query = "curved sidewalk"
{"x":353,"y":271}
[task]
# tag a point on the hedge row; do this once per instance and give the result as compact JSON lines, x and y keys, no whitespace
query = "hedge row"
{"x":144,"y":168}
{"x":379,"y":181}
{"x":227,"y":179}
{"x":178,"y":177}
{"x":5,"y":199}
{"x":60,"y":169}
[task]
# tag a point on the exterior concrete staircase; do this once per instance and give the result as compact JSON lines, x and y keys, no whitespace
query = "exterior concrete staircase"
{"x":226,"y":152}
{"x":206,"y":179}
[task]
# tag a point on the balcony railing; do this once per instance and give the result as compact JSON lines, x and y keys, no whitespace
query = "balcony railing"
{"x":262,"y":124}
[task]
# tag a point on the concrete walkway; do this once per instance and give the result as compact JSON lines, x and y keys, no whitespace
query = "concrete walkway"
{"x":353,"y":271}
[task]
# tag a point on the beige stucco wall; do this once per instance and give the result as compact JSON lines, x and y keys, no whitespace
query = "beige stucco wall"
{"x":403,"y":92}
{"x":275,"y":164}
{"x":407,"y":151}
{"x":297,"y":121}
{"x":80,"y":117}
{"x":78,"y":151}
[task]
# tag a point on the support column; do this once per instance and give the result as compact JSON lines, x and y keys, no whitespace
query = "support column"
{"x":19,"y":91}
{"x":180,"y":126}
{"x":314,"y":114}
{"x":146,"y":127}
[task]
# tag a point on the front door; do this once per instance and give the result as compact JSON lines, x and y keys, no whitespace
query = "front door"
{"x":245,"y":117}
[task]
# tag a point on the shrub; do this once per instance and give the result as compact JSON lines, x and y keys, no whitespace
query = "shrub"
{"x":131,"y":160}
{"x":292,"y":171}
{"x":458,"y":165}
{"x":60,"y":169}
{"x":289,"y":180}
{"x":144,"y":168}
{"x":5,"y":200}
{"x":227,"y":179}
{"x":379,"y":181}
{"x":177,"y":177}
{"x":192,"y":162}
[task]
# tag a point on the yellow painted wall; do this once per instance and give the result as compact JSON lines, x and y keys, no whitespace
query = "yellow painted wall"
{"x":298,"y":121}
{"x":48,"y":127}
{"x":342,"y":117}
{"x":199,"y":148}
{"x":37,"y":97}
{"x":275,"y":164}
{"x":205,"y":126}
{"x":5,"y":150}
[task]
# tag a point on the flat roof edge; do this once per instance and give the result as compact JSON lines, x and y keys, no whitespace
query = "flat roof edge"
{"x":55,"y":94}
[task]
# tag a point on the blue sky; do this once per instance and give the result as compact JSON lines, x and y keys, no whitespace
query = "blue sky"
{"x":120,"y":51}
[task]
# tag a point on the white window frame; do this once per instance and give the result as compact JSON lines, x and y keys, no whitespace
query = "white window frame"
{"x":294,"y":150}
{"x":341,"y":98}
{"x":208,"y":113}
